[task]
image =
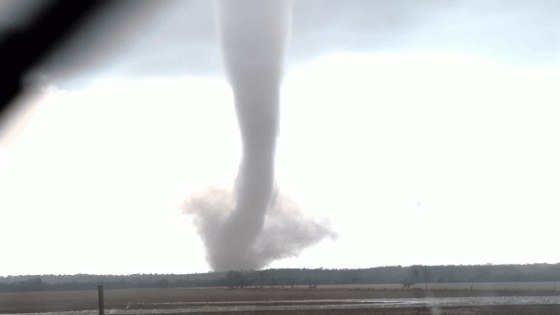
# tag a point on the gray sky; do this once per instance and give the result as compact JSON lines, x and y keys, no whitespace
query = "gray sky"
{"x":180,"y":38}
{"x":425,"y":133}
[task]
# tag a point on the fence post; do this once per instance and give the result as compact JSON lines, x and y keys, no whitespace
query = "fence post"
{"x":100,"y":299}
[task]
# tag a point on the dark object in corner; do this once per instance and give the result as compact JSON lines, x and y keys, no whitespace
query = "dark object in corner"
{"x":23,"y":47}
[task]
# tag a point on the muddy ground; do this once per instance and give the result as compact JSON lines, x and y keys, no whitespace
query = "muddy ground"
{"x":143,"y":299}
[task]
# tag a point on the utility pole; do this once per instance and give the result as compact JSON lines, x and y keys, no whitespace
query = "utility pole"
{"x":100,"y":299}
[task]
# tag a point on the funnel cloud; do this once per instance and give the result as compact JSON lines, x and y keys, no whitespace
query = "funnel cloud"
{"x":254,"y":224}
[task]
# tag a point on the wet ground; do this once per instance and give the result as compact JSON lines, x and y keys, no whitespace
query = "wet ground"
{"x":279,"y":302}
{"x":309,"y":305}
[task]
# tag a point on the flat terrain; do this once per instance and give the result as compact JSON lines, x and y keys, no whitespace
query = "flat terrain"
{"x":277,"y":300}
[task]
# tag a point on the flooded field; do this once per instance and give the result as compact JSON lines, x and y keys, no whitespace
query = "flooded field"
{"x":279,"y":301}
{"x":253,"y":306}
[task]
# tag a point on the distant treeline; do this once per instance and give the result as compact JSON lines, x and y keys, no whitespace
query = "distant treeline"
{"x":287,"y":277}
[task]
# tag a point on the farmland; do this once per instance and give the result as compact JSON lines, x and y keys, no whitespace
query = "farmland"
{"x":498,"y":298}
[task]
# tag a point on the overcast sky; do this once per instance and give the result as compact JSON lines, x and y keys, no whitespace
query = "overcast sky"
{"x":425,"y":133}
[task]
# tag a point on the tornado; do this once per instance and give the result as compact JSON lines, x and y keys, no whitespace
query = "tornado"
{"x":254,"y":224}
{"x":253,"y":37}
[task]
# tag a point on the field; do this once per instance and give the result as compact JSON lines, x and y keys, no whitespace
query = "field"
{"x":332,"y":300}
